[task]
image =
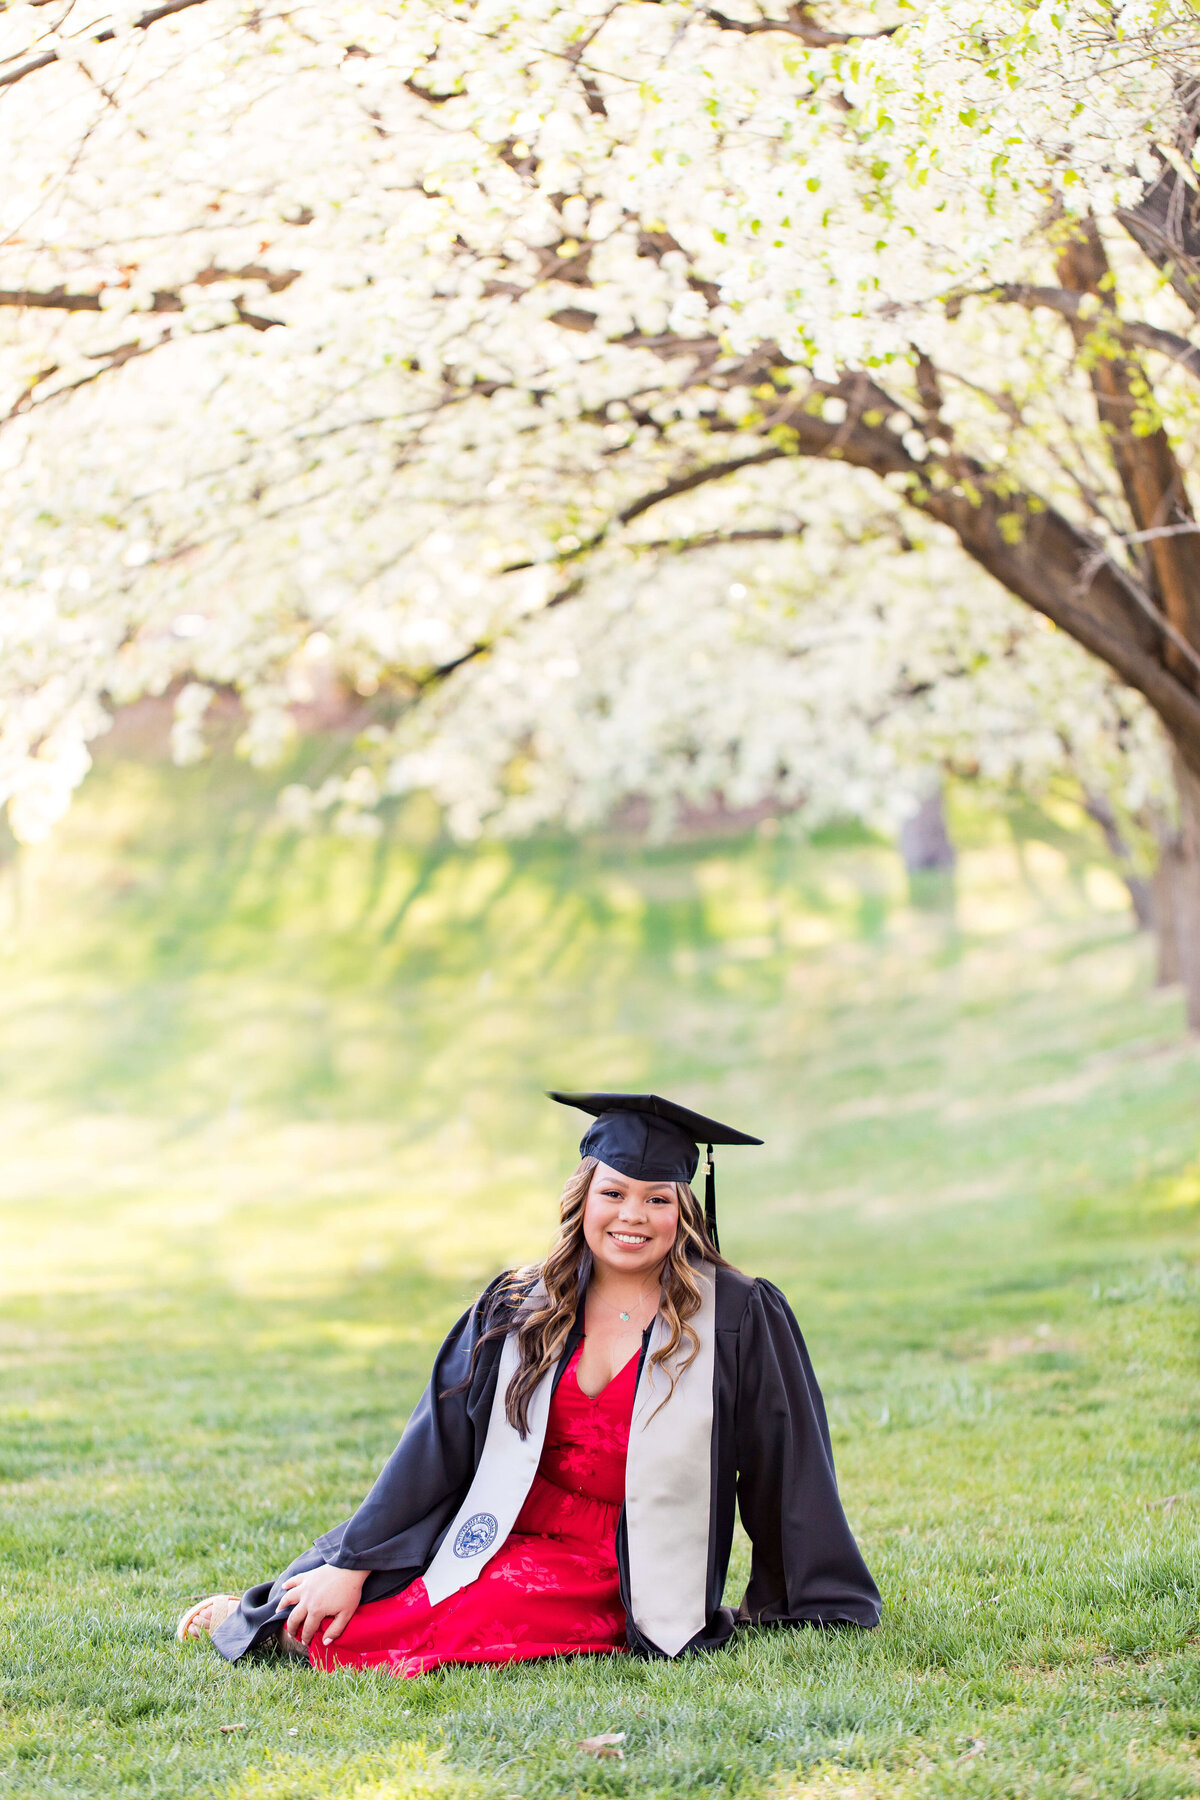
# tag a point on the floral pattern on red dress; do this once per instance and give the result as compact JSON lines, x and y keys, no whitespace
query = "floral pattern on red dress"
{"x":552,"y":1588}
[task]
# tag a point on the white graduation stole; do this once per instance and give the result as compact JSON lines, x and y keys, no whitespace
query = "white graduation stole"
{"x":668,"y":1485}
{"x":497,"y":1494}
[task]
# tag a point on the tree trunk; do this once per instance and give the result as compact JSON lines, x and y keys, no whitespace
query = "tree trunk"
{"x":924,"y":841}
{"x":1185,"y":887}
{"x":1167,"y":878}
{"x":1141,"y":892}
{"x":1145,"y":462}
{"x":929,"y":856}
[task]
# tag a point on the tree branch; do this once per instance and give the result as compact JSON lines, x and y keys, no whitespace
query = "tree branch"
{"x":432,"y":678}
{"x":713,"y":540}
{"x":1033,"y":550}
{"x":1164,"y":222}
{"x":1100,"y":556}
{"x":1130,"y":333}
{"x":109,"y":360}
{"x":100,"y":37}
{"x":55,"y":299}
{"x":798,"y":24}
{"x":682,"y":484}
{"x":29,"y":68}
{"x":113,"y":359}
{"x":164,"y":300}
{"x":1025,"y":543}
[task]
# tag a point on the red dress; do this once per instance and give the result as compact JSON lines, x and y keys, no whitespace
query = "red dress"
{"x":551,"y":1589}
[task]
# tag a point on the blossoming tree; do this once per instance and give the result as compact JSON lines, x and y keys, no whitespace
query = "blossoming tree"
{"x":411,"y":333}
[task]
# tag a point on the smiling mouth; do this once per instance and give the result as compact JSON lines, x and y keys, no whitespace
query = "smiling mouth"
{"x":628,"y":1237}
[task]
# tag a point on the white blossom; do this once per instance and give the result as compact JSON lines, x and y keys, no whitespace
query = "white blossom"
{"x":360,"y":368}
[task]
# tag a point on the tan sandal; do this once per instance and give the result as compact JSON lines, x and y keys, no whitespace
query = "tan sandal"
{"x":222,"y":1606}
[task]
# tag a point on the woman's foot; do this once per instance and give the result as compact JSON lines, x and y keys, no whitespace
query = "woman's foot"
{"x":202,"y":1619}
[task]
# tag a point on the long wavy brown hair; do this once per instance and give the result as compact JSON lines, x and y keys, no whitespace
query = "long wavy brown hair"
{"x":544,"y":1325}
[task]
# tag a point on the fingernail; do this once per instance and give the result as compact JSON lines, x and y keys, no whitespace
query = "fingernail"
{"x":327,"y":1640}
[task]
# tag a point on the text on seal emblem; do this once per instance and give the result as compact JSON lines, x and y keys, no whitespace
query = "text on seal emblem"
{"x":476,"y":1535}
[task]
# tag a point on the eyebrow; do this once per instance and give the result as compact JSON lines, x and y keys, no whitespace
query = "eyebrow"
{"x":620,"y":1180}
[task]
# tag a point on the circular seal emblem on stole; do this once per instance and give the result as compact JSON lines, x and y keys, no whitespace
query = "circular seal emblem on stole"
{"x":476,"y":1535}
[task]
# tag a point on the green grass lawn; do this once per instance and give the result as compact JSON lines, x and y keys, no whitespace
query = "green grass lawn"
{"x":270,"y":1112}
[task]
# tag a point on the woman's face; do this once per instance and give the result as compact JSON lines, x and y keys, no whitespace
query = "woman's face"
{"x":629,"y":1225}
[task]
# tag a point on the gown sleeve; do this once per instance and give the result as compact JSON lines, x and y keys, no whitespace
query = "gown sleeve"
{"x":420,"y":1487}
{"x":399,"y":1525}
{"x":806,"y":1568}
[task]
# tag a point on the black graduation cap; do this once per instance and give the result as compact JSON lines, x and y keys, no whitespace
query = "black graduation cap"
{"x":650,"y":1139}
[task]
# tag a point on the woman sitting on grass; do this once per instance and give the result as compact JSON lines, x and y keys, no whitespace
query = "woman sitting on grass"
{"x":569,"y":1479}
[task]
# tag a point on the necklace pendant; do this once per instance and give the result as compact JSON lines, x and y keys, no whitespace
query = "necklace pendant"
{"x":625,"y":1316}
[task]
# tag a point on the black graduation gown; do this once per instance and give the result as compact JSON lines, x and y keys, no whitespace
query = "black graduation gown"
{"x":771,"y":1460}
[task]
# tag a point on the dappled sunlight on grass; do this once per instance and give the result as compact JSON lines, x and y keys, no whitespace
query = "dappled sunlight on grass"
{"x":284,"y":1060}
{"x":407,"y":1772}
{"x":271,"y":1110}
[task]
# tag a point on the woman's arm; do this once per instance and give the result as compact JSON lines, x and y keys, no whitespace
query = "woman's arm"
{"x":390,"y":1540}
{"x":422,"y":1483}
{"x":806,"y":1567}
{"x":399,"y":1520}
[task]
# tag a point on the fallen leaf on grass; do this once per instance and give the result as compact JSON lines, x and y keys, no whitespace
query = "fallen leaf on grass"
{"x":608,"y":1743}
{"x":228,"y":1728}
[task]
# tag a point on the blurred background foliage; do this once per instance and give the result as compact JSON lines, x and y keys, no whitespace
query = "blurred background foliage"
{"x":294,"y":1057}
{"x":271,"y":1110}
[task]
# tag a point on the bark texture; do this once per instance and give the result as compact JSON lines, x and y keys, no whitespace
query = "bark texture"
{"x":1185,"y":887}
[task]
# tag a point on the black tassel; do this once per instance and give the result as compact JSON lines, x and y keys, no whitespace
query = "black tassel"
{"x":710,"y":1198}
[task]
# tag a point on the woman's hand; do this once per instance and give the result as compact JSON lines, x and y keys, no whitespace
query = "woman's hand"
{"x":324,"y":1593}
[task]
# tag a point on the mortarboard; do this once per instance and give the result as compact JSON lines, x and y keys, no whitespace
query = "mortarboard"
{"x":650,"y":1139}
